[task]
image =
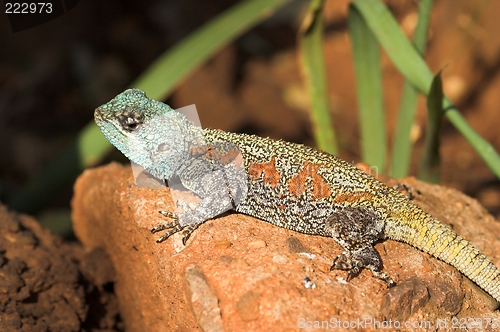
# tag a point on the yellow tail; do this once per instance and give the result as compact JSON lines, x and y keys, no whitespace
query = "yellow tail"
{"x":421,"y":230}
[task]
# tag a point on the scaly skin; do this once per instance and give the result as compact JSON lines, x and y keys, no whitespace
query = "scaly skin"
{"x":288,"y":185}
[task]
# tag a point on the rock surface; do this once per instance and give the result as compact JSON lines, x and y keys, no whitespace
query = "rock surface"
{"x":48,"y":285}
{"x":238,"y":273}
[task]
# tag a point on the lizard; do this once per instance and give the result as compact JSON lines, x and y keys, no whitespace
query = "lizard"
{"x":286,"y":184}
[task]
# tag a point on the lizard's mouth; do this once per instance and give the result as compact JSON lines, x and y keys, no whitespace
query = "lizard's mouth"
{"x":98,"y":116}
{"x":104,"y":125}
{"x":101,"y":120}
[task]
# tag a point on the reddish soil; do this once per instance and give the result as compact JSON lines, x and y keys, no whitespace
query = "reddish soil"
{"x":49,"y":285}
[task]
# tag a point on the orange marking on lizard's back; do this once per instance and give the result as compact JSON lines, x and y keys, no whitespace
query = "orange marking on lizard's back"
{"x":353,"y":197}
{"x":298,"y":184}
{"x":271,"y":174}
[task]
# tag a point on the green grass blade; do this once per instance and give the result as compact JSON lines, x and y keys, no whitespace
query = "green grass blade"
{"x":313,"y":65}
{"x":402,"y":147}
{"x":158,"y":81}
{"x":430,"y":162}
{"x":390,"y":36}
{"x":366,"y":55}
{"x":412,"y":66}
{"x":169,"y":69}
{"x":422,"y":28}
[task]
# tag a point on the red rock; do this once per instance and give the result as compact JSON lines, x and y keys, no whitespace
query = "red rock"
{"x":238,"y":287}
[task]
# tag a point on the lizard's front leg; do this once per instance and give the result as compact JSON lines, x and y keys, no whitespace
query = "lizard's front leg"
{"x":191,"y":218}
{"x":217,"y":176}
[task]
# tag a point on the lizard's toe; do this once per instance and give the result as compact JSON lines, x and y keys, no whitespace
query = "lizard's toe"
{"x":169,"y":225}
{"x":381,"y":275}
{"x":169,"y":214}
{"x":341,"y":262}
{"x":171,"y":231}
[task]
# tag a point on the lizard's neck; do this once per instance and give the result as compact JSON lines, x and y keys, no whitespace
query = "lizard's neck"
{"x":169,"y":141}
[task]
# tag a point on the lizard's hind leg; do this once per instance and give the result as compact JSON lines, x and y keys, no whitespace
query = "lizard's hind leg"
{"x":356,"y":229}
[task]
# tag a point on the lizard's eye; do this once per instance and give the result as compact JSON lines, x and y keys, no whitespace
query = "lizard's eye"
{"x":130,"y":123}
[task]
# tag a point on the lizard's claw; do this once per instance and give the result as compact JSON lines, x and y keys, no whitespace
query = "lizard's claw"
{"x":167,"y":234}
{"x":187,"y":231}
{"x":162,"y":227}
{"x":174,"y":223}
{"x":168,"y":214}
{"x":171,"y":227}
{"x":341,"y":262}
{"x":344,"y":262}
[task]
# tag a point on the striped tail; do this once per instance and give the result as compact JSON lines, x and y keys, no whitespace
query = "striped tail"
{"x":422,"y":231}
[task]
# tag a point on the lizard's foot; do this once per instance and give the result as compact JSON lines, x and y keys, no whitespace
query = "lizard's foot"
{"x":171,"y":227}
{"x":344,"y":262}
{"x":354,"y":261}
{"x":382,"y":276}
{"x":174,"y":227}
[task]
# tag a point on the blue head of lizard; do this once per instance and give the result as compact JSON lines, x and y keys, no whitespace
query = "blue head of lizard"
{"x":148,"y":132}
